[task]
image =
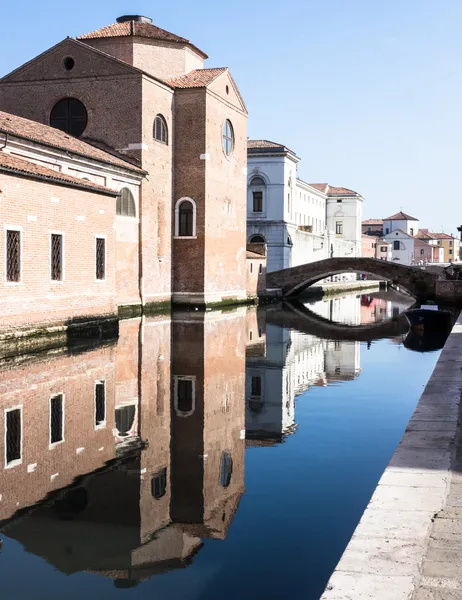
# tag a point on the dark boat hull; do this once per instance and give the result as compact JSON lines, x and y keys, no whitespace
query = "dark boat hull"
{"x":430,"y":320}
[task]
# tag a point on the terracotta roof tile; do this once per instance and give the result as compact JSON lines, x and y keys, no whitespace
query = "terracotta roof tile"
{"x":197,"y":78}
{"x":401,"y":216}
{"x":341,"y":191}
{"x":319,"y":186}
{"x":138,"y":29}
{"x":12,"y":163}
{"x":373,"y":222}
{"x":263,"y":144}
{"x":44,"y":134}
{"x":442,"y":236}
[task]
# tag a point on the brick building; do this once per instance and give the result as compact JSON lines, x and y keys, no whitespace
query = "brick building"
{"x":131,"y":109}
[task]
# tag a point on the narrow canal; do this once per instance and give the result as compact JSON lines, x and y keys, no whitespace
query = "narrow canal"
{"x":200,"y":456}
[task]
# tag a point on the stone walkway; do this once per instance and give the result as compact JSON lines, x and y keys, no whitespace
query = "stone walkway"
{"x":408,"y":544}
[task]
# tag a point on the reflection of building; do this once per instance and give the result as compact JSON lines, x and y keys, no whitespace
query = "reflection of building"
{"x":133,"y":452}
{"x":289,"y":364}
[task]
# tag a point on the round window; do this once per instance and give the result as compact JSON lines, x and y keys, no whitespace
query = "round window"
{"x":69,"y":115}
{"x":228,"y":137}
{"x":69,"y":63}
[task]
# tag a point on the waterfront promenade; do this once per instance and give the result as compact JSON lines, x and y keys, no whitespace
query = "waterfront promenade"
{"x":408,"y":543}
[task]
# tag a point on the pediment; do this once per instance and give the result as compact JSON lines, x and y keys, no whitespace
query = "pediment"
{"x":225,"y":82}
{"x":87,"y":62}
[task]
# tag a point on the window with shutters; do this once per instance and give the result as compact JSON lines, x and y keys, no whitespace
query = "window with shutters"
{"x":100,"y":258}
{"x":100,"y":404}
{"x":13,"y":437}
{"x":13,"y":255}
{"x":56,"y":249}
{"x":125,"y":205}
{"x":339,"y":227}
{"x":56,"y":419}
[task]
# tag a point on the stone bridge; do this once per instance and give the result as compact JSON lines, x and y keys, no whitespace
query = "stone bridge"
{"x":293,"y":281}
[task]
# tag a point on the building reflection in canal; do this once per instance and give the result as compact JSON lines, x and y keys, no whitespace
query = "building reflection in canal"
{"x":122,"y":459}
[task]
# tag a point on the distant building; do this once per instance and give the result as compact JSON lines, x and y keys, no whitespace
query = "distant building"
{"x":372,"y":227}
{"x":376,"y":247}
{"x":402,"y":221}
{"x":299,"y":222}
{"x":449,"y":244}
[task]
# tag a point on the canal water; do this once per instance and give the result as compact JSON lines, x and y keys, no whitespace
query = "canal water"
{"x":200,"y":456}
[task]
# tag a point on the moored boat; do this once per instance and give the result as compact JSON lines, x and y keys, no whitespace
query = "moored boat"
{"x":429,"y":317}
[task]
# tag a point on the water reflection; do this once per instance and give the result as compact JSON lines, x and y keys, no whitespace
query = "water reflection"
{"x":122,"y":460}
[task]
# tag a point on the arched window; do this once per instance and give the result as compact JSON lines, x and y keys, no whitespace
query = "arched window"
{"x":126,"y":204}
{"x":226,"y":469}
{"x":185,"y":218}
{"x":228,"y":137}
{"x":69,"y":115}
{"x":257,"y":239}
{"x":160,"y":129}
{"x":257,"y":194}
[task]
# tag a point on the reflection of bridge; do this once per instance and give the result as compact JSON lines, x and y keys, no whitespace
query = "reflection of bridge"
{"x":293,"y":281}
{"x":296,"y":315}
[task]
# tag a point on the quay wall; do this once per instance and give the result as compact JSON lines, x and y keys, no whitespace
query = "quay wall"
{"x":407,"y":543}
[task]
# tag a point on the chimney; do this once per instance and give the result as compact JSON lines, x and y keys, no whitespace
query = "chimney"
{"x":137,"y":18}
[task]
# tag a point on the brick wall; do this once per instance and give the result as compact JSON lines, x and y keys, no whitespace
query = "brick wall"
{"x":39,"y":208}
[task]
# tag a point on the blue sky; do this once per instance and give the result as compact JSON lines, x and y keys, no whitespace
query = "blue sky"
{"x":367,"y":92}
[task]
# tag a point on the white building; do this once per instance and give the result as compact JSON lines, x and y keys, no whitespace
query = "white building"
{"x":402,"y":246}
{"x":402,"y":221}
{"x":300,"y":222}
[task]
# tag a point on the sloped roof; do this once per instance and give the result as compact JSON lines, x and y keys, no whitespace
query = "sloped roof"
{"x":138,"y":29}
{"x":49,"y":136}
{"x":442,"y":236}
{"x":340,"y":191}
{"x":10,"y":163}
{"x":372,"y":222}
{"x":401,"y":216}
{"x":197,"y":78}
{"x":319,"y":186}
{"x":262,"y":146}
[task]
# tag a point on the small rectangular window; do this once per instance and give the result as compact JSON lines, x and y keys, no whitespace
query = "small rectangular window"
{"x":56,"y":419}
{"x":383,"y":249}
{"x":159,"y":484}
{"x":13,"y":255}
{"x":261,"y":269}
{"x":257,"y":201}
{"x":56,"y":257}
{"x":450,"y":251}
{"x":13,"y":436}
{"x":339,"y":227}
{"x":100,"y":258}
{"x":256,"y":386}
{"x":251,"y":267}
{"x":184,"y":401}
{"x":422,"y":251}
{"x":100,"y":404}
{"x":396,"y":245}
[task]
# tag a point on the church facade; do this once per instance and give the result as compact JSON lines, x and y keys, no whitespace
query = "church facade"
{"x":148,"y":150}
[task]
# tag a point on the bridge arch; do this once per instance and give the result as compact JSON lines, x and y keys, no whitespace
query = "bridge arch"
{"x":293,"y":281}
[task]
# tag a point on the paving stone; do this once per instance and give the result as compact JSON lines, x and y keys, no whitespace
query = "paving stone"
{"x":442,"y":569}
{"x":379,"y":556}
{"x":446,"y":555}
{"x":441,"y":426}
{"x":354,"y":586}
{"x":387,"y":497}
{"x":420,"y":458}
{"x":394,"y":524}
{"x":437,"y":594}
{"x":441,"y":583}
{"x":427,"y":439}
{"x":436,"y":479}
{"x":450,"y":512}
{"x":447,"y":528}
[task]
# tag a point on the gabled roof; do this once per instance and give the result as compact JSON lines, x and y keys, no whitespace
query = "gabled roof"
{"x":10,"y":163}
{"x":197,"y":78}
{"x":49,"y":136}
{"x":322,"y":187}
{"x":138,"y":29}
{"x":340,"y":191}
{"x":372,"y":222}
{"x":401,"y":216}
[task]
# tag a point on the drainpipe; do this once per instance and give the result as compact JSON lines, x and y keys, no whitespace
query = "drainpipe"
{"x":140,"y":245}
{"x":6,"y":143}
